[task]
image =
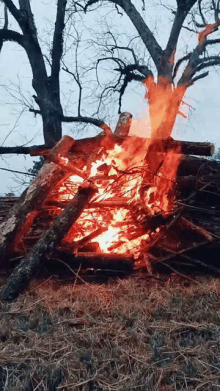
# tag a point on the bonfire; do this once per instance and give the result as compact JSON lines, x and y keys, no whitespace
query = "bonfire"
{"x":108,"y":201}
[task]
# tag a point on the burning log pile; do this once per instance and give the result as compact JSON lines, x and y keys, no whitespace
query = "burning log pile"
{"x":116,"y":202}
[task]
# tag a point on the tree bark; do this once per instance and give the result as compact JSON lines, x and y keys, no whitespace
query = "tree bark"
{"x":30,"y":265}
{"x":21,"y":216}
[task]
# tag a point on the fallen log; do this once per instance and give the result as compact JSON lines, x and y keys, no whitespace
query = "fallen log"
{"x":87,"y":146}
{"x":99,"y":261}
{"x":21,"y":275}
{"x":21,"y":216}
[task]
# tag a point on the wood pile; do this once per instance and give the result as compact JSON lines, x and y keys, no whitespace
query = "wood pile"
{"x":35,"y":230}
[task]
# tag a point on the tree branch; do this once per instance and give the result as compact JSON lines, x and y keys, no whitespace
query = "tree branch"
{"x":145,"y":33}
{"x":17,"y":172}
{"x":89,"y":120}
{"x":200,"y":77}
{"x":126,"y":48}
{"x":57,"y":49}
{"x":211,"y":41}
{"x":169,"y":53}
{"x":13,"y":36}
{"x":201,"y":13}
{"x":210,"y":61}
{"x":6,"y":17}
{"x":178,"y":63}
{"x":13,"y":10}
{"x":20,"y":150}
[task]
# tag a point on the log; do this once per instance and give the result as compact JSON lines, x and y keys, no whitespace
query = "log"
{"x":65,"y":164}
{"x":21,"y":216}
{"x":123,"y":126}
{"x":183,"y":147}
{"x":30,"y":265}
{"x":190,"y":165}
{"x":86,"y":148}
{"x":100,"y":261}
{"x":119,"y":203}
{"x":88,"y":145}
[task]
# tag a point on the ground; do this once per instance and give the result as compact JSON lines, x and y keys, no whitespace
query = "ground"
{"x":138,"y":333}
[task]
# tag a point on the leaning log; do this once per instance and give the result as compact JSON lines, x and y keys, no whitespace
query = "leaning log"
{"x":30,"y":265}
{"x":21,"y":216}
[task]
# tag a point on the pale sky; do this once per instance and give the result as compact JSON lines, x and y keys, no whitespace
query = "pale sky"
{"x":203,"y":119}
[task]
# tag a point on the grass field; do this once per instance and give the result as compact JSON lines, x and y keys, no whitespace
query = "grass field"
{"x":137,"y":333}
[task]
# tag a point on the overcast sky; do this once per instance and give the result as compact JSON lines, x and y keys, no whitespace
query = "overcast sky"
{"x":202,"y":123}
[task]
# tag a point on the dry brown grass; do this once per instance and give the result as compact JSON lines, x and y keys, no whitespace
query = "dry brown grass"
{"x":131,"y":334}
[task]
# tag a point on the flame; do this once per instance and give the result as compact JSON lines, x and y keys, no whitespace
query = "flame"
{"x":118,"y":174}
{"x":135,"y":180}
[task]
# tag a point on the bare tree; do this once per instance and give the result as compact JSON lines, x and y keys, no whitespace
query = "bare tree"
{"x":165,"y":76}
{"x":166,"y":79}
{"x":45,"y":84}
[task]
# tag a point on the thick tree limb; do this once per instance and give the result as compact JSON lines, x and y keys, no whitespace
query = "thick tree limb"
{"x":27,"y":22}
{"x":23,"y":150}
{"x":88,"y":120}
{"x":57,"y":48}
{"x":13,"y":36}
{"x":13,"y":10}
{"x":168,"y":57}
{"x":6,"y":17}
